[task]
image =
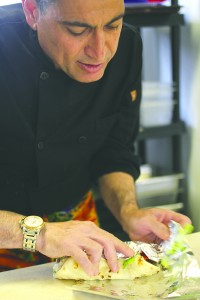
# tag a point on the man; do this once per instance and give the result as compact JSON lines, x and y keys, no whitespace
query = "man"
{"x":70,"y":95}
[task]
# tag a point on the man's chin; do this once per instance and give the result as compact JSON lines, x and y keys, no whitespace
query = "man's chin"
{"x":89,"y":78}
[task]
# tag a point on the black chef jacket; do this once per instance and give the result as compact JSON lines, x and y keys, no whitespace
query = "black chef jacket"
{"x":57,"y":135}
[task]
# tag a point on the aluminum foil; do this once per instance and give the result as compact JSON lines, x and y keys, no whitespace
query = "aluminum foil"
{"x":181,"y":280}
{"x":183,"y":267}
{"x":152,"y":251}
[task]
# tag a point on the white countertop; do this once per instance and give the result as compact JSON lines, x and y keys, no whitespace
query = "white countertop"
{"x":37,"y":283}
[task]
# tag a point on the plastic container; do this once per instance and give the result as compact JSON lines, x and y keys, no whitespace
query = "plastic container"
{"x":157,"y":104}
{"x":153,"y":90}
{"x":156,"y":113}
{"x":157,"y":191}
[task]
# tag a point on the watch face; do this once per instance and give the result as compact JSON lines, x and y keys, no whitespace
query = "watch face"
{"x":33,"y":221}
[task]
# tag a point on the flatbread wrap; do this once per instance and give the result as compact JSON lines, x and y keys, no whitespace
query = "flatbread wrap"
{"x":129,"y":269}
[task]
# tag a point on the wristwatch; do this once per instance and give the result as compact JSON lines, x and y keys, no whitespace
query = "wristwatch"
{"x":31,"y":227}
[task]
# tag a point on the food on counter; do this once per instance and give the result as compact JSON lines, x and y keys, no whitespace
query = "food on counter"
{"x":129,"y":268}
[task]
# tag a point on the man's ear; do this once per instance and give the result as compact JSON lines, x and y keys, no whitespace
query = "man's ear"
{"x":31,"y":12}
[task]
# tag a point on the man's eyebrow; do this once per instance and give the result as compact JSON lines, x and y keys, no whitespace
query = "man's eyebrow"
{"x":82,"y":24}
{"x":116,"y":19}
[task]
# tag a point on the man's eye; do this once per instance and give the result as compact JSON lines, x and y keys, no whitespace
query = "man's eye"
{"x":76,"y":32}
{"x":111,"y":27}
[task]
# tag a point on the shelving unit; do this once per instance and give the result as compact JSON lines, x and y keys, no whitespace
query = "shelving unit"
{"x":174,"y":129}
{"x":172,"y":18}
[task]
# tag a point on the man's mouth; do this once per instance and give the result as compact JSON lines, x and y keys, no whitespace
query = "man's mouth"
{"x":90,"y":68}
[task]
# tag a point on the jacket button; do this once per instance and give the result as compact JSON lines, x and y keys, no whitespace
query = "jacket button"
{"x":44,"y":75}
{"x":40,"y":145}
{"x":82,"y":139}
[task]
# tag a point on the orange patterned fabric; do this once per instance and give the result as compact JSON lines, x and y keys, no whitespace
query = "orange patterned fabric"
{"x":17,"y":258}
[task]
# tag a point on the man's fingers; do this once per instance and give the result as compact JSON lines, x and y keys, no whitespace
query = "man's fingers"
{"x":124,"y":249}
{"x":111,"y":257}
{"x":111,"y":245}
{"x":181,"y":219}
{"x":103,"y":246}
{"x":165,"y":216}
{"x":102,"y":242}
{"x":85,"y":261}
{"x":160,"y":230}
{"x":119,"y":246}
{"x":94,"y":252}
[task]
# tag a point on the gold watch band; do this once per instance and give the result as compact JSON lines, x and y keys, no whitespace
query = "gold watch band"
{"x":29,"y":242}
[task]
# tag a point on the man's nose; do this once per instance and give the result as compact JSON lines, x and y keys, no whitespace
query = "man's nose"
{"x":95,"y":47}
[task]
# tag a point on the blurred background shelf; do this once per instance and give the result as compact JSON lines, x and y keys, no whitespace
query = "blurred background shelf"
{"x":176,"y":128}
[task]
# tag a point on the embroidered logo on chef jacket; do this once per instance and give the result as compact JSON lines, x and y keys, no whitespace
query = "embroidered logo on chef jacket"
{"x":133,"y":95}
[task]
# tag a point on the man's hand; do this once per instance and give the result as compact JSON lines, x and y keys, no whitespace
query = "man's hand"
{"x":151,"y":225}
{"x":82,"y":240}
{"x":147,"y":225}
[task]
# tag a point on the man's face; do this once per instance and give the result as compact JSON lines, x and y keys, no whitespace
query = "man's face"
{"x":81,"y":36}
